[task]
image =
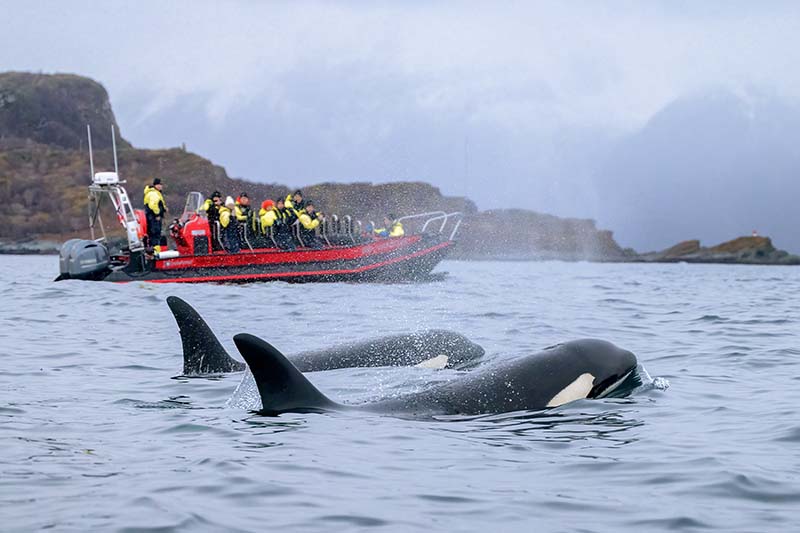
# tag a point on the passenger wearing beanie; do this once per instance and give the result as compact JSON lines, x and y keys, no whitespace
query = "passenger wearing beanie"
{"x":243,"y":211}
{"x":282,"y":226}
{"x":244,"y":216}
{"x":211,"y":207}
{"x":294,"y":202}
{"x":229,"y":224}
{"x":267,"y":215}
{"x":309,"y":222}
{"x":211,"y":204}
{"x":259,"y":234}
{"x":154,"y":210}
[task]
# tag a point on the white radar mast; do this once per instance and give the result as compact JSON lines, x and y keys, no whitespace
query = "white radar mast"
{"x":108,"y":184}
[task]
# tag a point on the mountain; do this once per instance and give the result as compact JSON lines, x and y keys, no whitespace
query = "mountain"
{"x":708,"y":166}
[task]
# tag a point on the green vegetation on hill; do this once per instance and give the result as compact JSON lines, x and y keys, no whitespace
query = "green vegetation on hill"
{"x":54,"y":109}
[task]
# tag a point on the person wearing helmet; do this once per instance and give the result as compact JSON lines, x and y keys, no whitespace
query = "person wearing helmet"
{"x":154,"y":211}
{"x":229,"y":225}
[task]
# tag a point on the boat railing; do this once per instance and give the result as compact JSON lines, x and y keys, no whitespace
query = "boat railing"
{"x":245,"y":234}
{"x":331,"y":224}
{"x":324,"y":228}
{"x":335,"y":230}
{"x":296,"y":230}
{"x":430,"y":218}
{"x":218,"y":234}
{"x":348,"y":228}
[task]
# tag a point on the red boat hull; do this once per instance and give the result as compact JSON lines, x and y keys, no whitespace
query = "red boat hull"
{"x":396,"y":259}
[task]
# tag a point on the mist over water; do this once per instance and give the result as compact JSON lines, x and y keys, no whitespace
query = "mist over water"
{"x":97,"y":436}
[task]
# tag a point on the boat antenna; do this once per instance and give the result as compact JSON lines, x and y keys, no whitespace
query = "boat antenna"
{"x":91,"y":159}
{"x":114,"y":144}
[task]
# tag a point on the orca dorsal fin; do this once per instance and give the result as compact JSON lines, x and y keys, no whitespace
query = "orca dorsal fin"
{"x":282,"y":387}
{"x":202,"y":352}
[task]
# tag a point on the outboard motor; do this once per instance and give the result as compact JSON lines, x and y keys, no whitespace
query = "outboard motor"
{"x":83,"y":259}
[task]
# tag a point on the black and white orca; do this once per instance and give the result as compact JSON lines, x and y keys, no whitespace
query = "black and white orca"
{"x":203,"y":353}
{"x":587,"y":368}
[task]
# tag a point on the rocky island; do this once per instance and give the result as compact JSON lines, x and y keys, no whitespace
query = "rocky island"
{"x":752,"y":250}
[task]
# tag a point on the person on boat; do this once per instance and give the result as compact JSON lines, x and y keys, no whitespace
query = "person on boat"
{"x":242,"y":210}
{"x":212,"y":206}
{"x":229,"y":225}
{"x":244,"y":216}
{"x":295,"y":202}
{"x":267,"y":215}
{"x":279,"y":220}
{"x":260,"y":227}
{"x":154,"y":210}
{"x":309,"y":221}
{"x":391,"y":227}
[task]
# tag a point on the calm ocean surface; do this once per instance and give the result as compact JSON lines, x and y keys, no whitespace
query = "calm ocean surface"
{"x":96,"y":435}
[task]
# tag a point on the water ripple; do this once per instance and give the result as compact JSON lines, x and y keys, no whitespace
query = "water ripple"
{"x":95,"y":432}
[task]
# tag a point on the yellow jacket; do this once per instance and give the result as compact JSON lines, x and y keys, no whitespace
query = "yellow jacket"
{"x":395,"y":231}
{"x":307,"y":222}
{"x":224,"y":216}
{"x":268,"y":218}
{"x":289,"y":204}
{"x":240,"y":216}
{"x":153,"y":199}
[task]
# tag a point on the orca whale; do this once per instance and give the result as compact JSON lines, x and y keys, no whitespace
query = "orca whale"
{"x":587,"y":368}
{"x":203,"y":353}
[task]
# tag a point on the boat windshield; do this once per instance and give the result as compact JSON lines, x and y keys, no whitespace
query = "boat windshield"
{"x":194,"y":202}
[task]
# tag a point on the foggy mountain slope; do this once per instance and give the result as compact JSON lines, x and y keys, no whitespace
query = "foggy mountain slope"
{"x":378,"y":131}
{"x":709,"y":166}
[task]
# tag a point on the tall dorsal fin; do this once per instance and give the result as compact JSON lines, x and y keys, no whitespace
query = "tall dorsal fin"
{"x":202,"y":352}
{"x":281,"y":386}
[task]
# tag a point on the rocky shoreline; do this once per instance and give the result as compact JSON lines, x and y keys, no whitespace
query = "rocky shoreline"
{"x":742,"y":250}
{"x":29,"y":247}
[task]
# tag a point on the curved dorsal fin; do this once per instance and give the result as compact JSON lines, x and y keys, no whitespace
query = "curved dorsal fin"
{"x":202,"y":352}
{"x":282,"y":387}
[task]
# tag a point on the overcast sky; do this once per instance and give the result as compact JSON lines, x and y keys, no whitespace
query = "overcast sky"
{"x":511,"y":103}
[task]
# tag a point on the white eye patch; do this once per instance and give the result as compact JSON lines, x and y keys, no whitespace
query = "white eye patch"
{"x":577,"y":390}
{"x":437,"y":363}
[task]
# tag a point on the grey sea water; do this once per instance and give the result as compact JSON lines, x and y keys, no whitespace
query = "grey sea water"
{"x":97,"y":434}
